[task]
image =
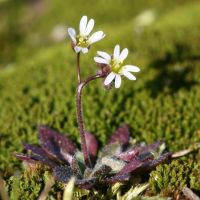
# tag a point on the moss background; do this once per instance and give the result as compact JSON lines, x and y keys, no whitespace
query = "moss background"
{"x":38,"y":73}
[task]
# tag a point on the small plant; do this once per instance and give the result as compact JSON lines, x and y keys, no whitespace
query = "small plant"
{"x":119,"y":159}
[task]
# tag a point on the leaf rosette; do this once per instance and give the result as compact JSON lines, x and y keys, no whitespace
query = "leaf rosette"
{"x":117,"y":161}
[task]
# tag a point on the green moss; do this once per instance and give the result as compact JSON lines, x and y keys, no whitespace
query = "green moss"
{"x":171,"y":177}
{"x":195,"y":177}
{"x":28,"y":185}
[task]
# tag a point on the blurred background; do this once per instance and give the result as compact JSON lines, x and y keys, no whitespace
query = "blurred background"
{"x":38,"y":76}
{"x":26,"y":26}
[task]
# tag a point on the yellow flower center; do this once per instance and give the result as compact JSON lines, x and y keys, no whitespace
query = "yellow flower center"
{"x":116,"y":66}
{"x":82,"y":41}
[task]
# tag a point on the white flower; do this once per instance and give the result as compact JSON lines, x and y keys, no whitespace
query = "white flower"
{"x":116,"y":66}
{"x":84,"y":39}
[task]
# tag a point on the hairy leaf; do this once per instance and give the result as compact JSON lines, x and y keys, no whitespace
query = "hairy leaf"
{"x":121,"y":135}
{"x":87,"y":183}
{"x":116,"y":178}
{"x":130,"y":167}
{"x":128,"y":155}
{"x":54,"y":142}
{"x":101,"y":171}
{"x":39,"y":155}
{"x":115,"y":164}
{"x":26,"y":158}
{"x":92,"y":144}
{"x":62,"y":173}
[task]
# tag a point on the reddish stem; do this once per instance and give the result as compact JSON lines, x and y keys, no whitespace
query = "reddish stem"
{"x":81,"y":85}
{"x":78,"y":68}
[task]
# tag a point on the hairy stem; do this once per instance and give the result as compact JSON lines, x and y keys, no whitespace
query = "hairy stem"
{"x":78,"y":68}
{"x":81,"y":85}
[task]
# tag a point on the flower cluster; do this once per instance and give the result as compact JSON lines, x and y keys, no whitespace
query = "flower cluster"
{"x":114,"y":64}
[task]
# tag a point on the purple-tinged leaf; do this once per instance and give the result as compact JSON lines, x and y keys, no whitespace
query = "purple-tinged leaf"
{"x":116,"y":178}
{"x":39,"y":155}
{"x":87,"y":183}
{"x":28,"y":162}
{"x":91,"y":143}
{"x":44,"y":160}
{"x":53,"y":142}
{"x":54,"y":151}
{"x":101,"y":171}
{"x":161,"y":159}
{"x":68,"y":157}
{"x":121,"y":135}
{"x":145,"y":157}
{"x":149,"y":165}
{"x":35,"y":149}
{"x":26,"y":158}
{"x":62,"y":173}
{"x":128,"y":155}
{"x":130,"y":167}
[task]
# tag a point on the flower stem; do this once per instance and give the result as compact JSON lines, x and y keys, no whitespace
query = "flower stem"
{"x":80,"y":122}
{"x":78,"y":68}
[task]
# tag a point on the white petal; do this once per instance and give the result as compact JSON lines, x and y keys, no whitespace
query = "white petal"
{"x":101,"y":60}
{"x":84,"y":50}
{"x":72,"y":34}
{"x":116,"y":52}
{"x":82,"y":25}
{"x":131,"y":68}
{"x":109,"y":78}
{"x":123,"y":54}
{"x":128,"y":75}
{"x":104,"y":55}
{"x":96,"y":37}
{"x":118,"y":81}
{"x":77,"y":49}
{"x":89,"y":27}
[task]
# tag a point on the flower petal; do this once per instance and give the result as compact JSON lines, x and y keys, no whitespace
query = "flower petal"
{"x":96,"y":37}
{"x":109,"y":78}
{"x":128,"y":75}
{"x":72,"y":34}
{"x":116,"y":52}
{"x":131,"y":68}
{"x":104,"y":55}
{"x":101,"y":60}
{"x":89,"y":27}
{"x":123,"y":54}
{"x":84,"y":50}
{"x":77,"y":49}
{"x":82,"y":25}
{"x":118,"y":81}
